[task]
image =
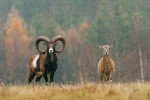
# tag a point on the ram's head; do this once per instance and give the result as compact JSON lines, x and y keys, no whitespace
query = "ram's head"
{"x":50,"y":44}
{"x":105,"y":49}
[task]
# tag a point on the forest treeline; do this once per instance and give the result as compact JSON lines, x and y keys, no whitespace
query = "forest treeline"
{"x":85,"y":24}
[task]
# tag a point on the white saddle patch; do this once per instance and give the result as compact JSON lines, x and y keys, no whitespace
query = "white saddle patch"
{"x":35,"y":61}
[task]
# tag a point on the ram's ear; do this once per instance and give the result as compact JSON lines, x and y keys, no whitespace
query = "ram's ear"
{"x":100,"y":46}
{"x":110,"y":46}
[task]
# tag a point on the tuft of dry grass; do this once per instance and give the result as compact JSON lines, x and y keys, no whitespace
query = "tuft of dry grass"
{"x":87,"y":91}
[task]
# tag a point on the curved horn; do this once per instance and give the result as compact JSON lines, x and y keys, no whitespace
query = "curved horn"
{"x":59,"y":38}
{"x":38,"y":40}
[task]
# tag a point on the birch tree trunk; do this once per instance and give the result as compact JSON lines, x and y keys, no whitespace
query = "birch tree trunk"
{"x":138,"y":26}
{"x":141,"y":64}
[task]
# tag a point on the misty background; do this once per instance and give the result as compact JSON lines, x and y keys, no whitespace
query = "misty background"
{"x":85,"y":24}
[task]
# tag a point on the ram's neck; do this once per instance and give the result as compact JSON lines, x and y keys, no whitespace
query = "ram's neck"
{"x":106,"y":56}
{"x":51,"y":57}
{"x":106,"y":59}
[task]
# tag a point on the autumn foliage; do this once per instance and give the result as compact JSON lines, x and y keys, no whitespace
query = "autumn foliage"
{"x":84,"y":26}
{"x":16,"y":42}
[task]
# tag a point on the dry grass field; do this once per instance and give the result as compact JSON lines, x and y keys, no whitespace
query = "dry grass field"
{"x":87,"y":91}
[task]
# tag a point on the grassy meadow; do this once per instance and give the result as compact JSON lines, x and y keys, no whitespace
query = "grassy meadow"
{"x":87,"y":91}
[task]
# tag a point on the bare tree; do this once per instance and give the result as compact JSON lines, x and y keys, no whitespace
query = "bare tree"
{"x":137,"y":28}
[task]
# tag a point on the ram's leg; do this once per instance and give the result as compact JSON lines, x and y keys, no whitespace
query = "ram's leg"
{"x":52,"y":72}
{"x":105,"y":77}
{"x":99,"y":77}
{"x":102,"y":77}
{"x":51,"y":77}
{"x":110,"y":79}
{"x":38,"y":78}
{"x":45,"y":77}
{"x":31,"y":77}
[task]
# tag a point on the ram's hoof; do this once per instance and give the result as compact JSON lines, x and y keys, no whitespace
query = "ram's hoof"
{"x":110,"y":80}
{"x":46,"y":83}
